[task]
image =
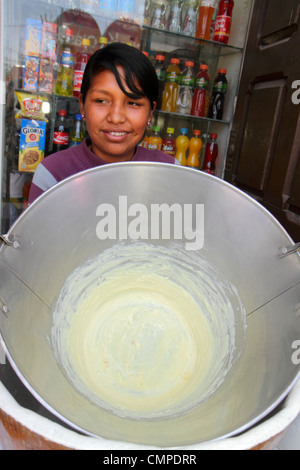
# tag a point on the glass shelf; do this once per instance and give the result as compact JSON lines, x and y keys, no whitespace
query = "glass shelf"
{"x":189,"y":117}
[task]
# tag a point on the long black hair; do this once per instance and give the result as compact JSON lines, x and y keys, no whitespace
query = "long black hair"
{"x":140,"y":75}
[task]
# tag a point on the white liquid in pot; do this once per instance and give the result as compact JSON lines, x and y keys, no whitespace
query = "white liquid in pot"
{"x":146,"y":331}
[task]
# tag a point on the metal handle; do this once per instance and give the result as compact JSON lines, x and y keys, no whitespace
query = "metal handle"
{"x":6,"y":241}
{"x":288,"y":250}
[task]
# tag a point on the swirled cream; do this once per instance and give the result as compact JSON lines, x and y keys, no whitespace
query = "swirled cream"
{"x":146,"y":331}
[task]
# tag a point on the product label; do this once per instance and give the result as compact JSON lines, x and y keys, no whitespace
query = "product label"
{"x":67,"y":58}
{"x":61,"y":138}
{"x":220,"y":86}
{"x":169,"y":148}
{"x":187,"y":80}
{"x":78,"y":76}
{"x":202,"y":83}
{"x":159,"y":73}
{"x":32,"y":144}
{"x":222,"y":27}
{"x":172,"y":77}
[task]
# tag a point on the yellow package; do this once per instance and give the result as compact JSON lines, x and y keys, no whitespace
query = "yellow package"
{"x":32,"y":106}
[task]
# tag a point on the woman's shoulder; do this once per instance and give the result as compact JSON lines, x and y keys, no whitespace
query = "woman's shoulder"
{"x":145,"y":155}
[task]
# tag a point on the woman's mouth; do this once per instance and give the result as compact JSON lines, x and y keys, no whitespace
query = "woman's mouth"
{"x":115,"y":135}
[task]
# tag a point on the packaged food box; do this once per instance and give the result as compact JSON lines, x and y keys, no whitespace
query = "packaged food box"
{"x":32,"y":144}
{"x":49,"y":40}
{"x":31,"y":73}
{"x":46,"y":75}
{"x":33,"y":37}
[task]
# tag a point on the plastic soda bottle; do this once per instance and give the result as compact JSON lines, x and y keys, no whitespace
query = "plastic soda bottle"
{"x":189,"y":17}
{"x":182,"y":144}
{"x":223,"y":21}
{"x":174,"y":17}
{"x":195,"y":147}
{"x":216,"y":107}
{"x":155,"y":140}
{"x":161,"y":74}
{"x":168,"y":143}
{"x":157,"y":11}
{"x":61,"y":132}
{"x":200,"y":93}
{"x":205,"y":16}
{"x":185,"y":95}
{"x":81,"y":61}
{"x":170,"y":95}
{"x":77,"y":133}
{"x":211,"y":155}
{"x":65,"y":76}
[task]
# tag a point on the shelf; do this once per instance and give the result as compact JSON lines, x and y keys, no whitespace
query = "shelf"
{"x":171,"y":42}
{"x":190,"y":117}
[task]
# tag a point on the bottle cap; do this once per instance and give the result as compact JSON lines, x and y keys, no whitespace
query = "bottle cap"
{"x":85,"y":42}
{"x":189,"y":63}
{"x":213,"y":136}
{"x":102,"y":40}
{"x":222,"y":71}
{"x":175,"y":61}
{"x":170,"y":130}
{"x":78,"y":117}
{"x":145,"y":53}
{"x":160,"y":57}
{"x":183,"y":130}
{"x":69,"y":32}
{"x":62,"y":112}
{"x":156,"y":128}
{"x":203,"y":67}
{"x":197,"y":132}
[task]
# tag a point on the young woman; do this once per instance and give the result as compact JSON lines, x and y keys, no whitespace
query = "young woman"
{"x":118,"y":97}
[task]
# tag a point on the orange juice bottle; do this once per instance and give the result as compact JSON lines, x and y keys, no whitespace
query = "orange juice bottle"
{"x":170,"y":95}
{"x":182,"y":144}
{"x":194,"y":149}
{"x":155,"y":140}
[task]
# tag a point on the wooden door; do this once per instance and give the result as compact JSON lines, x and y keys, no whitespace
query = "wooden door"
{"x":264,"y":152}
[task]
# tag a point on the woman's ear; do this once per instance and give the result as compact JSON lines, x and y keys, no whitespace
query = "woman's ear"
{"x":152,"y":111}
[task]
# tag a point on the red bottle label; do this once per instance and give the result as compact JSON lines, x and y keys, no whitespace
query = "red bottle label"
{"x":222,"y":26}
{"x":61,"y":138}
{"x":78,"y":76}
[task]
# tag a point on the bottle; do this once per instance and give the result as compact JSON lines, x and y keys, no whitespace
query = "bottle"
{"x":102,"y":42}
{"x":61,"y":132}
{"x":182,"y":144}
{"x":170,"y":95}
{"x":189,"y":17}
{"x":77,"y":133}
{"x":216,"y":107}
{"x":155,"y":140}
{"x":185,"y":95}
{"x":168,"y":143}
{"x":200,"y":93}
{"x":211,"y":155}
{"x":195,"y":147}
{"x":161,"y":75}
{"x":206,"y":13}
{"x":81,"y":61}
{"x":223,"y":21}
{"x":157,"y":11}
{"x":65,"y":76}
{"x":174,"y":17}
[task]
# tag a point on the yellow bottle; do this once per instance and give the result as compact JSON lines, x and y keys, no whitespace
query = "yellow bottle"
{"x":155,"y":140}
{"x":170,"y":95}
{"x":182,"y":144}
{"x":195,"y":146}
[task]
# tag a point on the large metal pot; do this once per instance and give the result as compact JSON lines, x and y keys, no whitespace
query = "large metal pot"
{"x":241,"y":239}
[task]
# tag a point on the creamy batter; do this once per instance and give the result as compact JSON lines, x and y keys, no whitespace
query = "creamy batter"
{"x":146,"y":331}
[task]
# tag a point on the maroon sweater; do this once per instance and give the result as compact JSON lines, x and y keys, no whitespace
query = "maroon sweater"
{"x":61,"y":165}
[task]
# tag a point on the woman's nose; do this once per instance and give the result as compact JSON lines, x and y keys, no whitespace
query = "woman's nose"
{"x":116,"y":113}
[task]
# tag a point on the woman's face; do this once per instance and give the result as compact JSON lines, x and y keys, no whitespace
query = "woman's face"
{"x":115,"y":122}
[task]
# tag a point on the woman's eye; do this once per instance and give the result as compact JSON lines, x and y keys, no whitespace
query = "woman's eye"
{"x":134,"y":103}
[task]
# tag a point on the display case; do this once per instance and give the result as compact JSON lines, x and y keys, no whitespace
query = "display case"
{"x":117,"y":20}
